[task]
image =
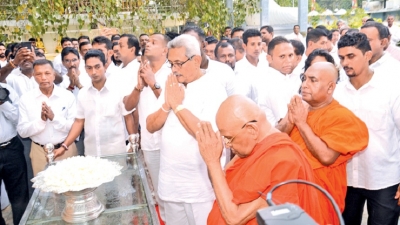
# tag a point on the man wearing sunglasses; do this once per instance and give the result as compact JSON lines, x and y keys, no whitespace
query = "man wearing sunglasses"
{"x":264,"y":158}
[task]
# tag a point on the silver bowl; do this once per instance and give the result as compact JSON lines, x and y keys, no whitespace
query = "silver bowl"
{"x":81,"y":206}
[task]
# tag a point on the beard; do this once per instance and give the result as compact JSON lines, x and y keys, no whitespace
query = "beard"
{"x":3,"y":55}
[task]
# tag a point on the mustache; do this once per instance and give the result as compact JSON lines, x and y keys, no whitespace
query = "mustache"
{"x":177,"y":74}
{"x":347,"y":68}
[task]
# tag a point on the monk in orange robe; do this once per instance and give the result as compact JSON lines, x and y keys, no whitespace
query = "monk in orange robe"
{"x":328,"y":133}
{"x":264,"y":157}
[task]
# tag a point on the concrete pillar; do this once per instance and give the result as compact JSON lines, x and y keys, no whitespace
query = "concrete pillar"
{"x":229,"y":6}
{"x":264,"y":13}
{"x":303,"y":15}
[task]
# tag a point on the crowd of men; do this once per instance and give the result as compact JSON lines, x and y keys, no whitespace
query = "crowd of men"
{"x":221,"y":121}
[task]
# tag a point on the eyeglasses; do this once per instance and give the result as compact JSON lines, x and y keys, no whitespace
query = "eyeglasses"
{"x":179,"y":65}
{"x":69,"y":61}
{"x":228,"y":141}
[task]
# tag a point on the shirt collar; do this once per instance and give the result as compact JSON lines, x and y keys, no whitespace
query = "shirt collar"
{"x":56,"y":91}
{"x":374,"y":82}
{"x":380,"y":61}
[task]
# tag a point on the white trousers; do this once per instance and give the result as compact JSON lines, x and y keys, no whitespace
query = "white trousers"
{"x":179,"y":213}
{"x":152,"y":160}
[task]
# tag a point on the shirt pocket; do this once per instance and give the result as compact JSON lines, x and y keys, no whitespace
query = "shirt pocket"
{"x":377,"y":118}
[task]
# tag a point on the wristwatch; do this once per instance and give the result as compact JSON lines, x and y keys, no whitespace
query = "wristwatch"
{"x":156,"y":86}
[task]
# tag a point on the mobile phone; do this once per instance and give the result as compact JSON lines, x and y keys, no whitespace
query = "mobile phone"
{"x":27,"y":44}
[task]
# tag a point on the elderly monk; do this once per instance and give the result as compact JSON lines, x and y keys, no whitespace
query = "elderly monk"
{"x":264,"y":158}
{"x":328,"y":133}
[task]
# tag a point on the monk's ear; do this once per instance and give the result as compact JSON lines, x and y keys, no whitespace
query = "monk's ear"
{"x":331,"y":87}
{"x":253,"y":130}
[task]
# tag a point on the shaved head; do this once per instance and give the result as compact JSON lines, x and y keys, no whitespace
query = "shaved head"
{"x":241,"y":120}
{"x":319,"y":82}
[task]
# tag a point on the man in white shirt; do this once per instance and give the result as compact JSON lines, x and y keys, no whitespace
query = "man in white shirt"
{"x":57,"y":62}
{"x":151,"y":81}
{"x":104,"y":44}
{"x":3,"y":58}
{"x":46,"y":115}
{"x":12,"y":160}
{"x":280,"y":85}
{"x":100,"y":111}
{"x":220,"y":72}
{"x":373,"y":175}
{"x":378,"y":39}
{"x":225,"y":53}
{"x":394,"y":30}
{"x":299,"y":50}
{"x":250,"y":68}
{"x":189,"y":97}
{"x":84,"y":47}
{"x":296,"y":35}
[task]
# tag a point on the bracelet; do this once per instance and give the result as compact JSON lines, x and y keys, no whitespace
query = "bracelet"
{"x":64,"y":146}
{"x":12,"y":64}
{"x":139,"y":90}
{"x":179,"y":108}
{"x":162,"y":108}
{"x":70,"y":88}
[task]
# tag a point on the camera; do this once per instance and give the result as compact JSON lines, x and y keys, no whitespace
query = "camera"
{"x":4,"y":95}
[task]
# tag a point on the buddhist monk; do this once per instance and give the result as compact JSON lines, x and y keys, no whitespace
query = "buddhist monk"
{"x":264,"y":158}
{"x":327,"y":132}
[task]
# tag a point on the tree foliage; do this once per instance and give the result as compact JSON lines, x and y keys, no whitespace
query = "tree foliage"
{"x":36,"y":17}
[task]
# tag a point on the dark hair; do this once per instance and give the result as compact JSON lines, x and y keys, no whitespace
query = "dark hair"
{"x":74,"y":39}
{"x":222,"y":45}
{"x":296,"y":26}
{"x":115,"y":37}
{"x":65,"y":39}
{"x":268,"y":28}
{"x":211,"y":40}
{"x":330,"y":35}
{"x":39,"y":54}
{"x":224,"y":38}
{"x":141,"y":35}
{"x":83,"y":44}
{"x":172,"y":35}
{"x":95,"y":53}
{"x":250,"y":33}
{"x":102,"y":40}
{"x":68,"y":50}
{"x":83,"y":37}
{"x":383,"y":33}
{"x":31,"y":39}
{"x":195,"y":29}
{"x":276,"y":41}
{"x":357,"y":40}
{"x":228,"y":27}
{"x":2,"y":44}
{"x":370,"y":20}
{"x":114,"y":44}
{"x":236,"y":29}
{"x":166,"y":38}
{"x":132,"y":42}
{"x":310,"y":28}
{"x":40,"y":62}
{"x":314,"y":35}
{"x":237,"y":44}
{"x":314,"y":54}
{"x":321,"y":27}
{"x":299,"y":48}
{"x":352,"y":31}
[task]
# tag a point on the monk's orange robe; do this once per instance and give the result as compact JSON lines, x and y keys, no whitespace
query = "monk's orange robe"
{"x":343,"y":132}
{"x":274,"y":160}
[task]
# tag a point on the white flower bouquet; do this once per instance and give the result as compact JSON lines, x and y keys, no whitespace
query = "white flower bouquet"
{"x":76,"y":173}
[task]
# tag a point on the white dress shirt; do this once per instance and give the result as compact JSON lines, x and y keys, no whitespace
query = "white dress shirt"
{"x":247,"y":78}
{"x":127,"y":77}
{"x":84,"y":79}
{"x":9,"y":115}
{"x":377,"y":103}
{"x":21,"y":83}
{"x":276,"y":94}
{"x":58,"y":66}
{"x":395,"y":34}
{"x":103,"y":112}
{"x":3,"y":63}
{"x":294,"y":36}
{"x":113,"y":70}
{"x":223,"y":74}
{"x":183,"y":173}
{"x":388,"y":63}
{"x":63,"y":105}
{"x":148,"y":102}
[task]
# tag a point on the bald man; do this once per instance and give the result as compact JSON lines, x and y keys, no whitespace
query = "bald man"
{"x":258,"y":147}
{"x":328,"y":133}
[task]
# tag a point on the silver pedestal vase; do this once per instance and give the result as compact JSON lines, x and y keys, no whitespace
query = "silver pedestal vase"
{"x":81,"y":206}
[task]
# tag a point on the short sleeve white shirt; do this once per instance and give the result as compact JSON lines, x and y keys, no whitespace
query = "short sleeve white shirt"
{"x":21,"y":83}
{"x":377,"y":103}
{"x":183,"y":173}
{"x":147,"y":102}
{"x":63,"y":105}
{"x":103,"y":112}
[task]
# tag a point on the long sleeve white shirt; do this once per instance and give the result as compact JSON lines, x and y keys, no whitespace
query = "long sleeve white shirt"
{"x":103,"y":112}
{"x":61,"y":102}
{"x":377,"y":103}
{"x":21,"y":83}
{"x":9,"y":115}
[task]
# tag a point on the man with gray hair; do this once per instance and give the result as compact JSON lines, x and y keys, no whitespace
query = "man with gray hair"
{"x":189,"y":96}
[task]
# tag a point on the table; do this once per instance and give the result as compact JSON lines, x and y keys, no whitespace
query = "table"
{"x":127,"y":199}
